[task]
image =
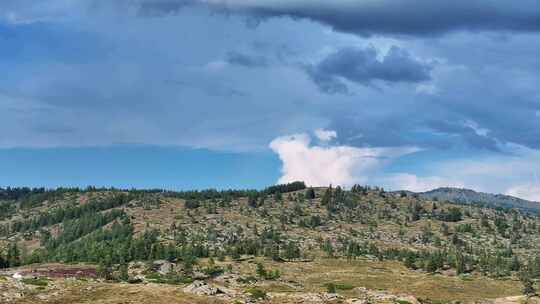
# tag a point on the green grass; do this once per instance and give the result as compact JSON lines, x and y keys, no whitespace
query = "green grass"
{"x":257,"y":293}
{"x":333,"y":287}
{"x":36,"y":281}
{"x":395,"y":278}
{"x":344,"y":286}
{"x":158,"y":278}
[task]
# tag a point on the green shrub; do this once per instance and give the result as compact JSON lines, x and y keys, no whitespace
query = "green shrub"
{"x":330,"y":287}
{"x":344,"y":286}
{"x":192,"y":204}
{"x":213,"y":271}
{"x":152,"y":276}
{"x":257,"y":293}
{"x":333,"y":287}
{"x":36,"y":281}
{"x":267,"y":274}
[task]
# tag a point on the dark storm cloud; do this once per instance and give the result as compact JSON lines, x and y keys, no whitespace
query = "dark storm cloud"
{"x":467,"y":134}
{"x":150,"y":80}
{"x":160,"y":7}
{"x":410,"y":17}
{"x":363,"y":67}
{"x":405,"y":17}
{"x":412,"y":127}
{"x":482,"y":114}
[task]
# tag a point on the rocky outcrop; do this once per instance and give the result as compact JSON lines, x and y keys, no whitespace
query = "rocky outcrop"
{"x":203,"y":288}
{"x":309,"y":297}
{"x":163,"y":266}
{"x":513,"y":300}
{"x":374,"y":296}
{"x":13,"y":288}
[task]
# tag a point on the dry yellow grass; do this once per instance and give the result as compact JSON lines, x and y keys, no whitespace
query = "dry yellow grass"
{"x":297,"y":277}
{"x":387,"y":275}
{"x":112,"y":293}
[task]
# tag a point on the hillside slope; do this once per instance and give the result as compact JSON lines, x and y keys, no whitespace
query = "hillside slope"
{"x":467,"y":196}
{"x":286,"y":243}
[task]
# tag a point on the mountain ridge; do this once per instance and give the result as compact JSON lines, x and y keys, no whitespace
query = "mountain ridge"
{"x":469,"y":196}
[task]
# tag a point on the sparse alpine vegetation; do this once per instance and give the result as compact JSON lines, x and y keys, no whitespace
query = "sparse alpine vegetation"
{"x":265,"y":241}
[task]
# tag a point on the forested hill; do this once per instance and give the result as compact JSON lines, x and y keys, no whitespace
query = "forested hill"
{"x":467,"y":196}
{"x":283,"y":226}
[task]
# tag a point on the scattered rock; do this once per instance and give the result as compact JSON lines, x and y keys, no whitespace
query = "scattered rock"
{"x":163,"y":266}
{"x":513,"y":300}
{"x":309,"y":297}
{"x":409,"y":299}
{"x":136,"y":279}
{"x":356,"y":301}
{"x":369,"y":296}
{"x":197,"y":275}
{"x":201,"y":288}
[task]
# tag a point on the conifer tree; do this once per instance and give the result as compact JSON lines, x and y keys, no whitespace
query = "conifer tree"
{"x":13,"y":255}
{"x":124,"y":276}
{"x":528,"y":284}
{"x":310,"y":193}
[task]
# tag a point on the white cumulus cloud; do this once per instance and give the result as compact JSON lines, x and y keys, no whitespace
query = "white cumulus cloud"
{"x":412,"y":182}
{"x":528,"y":191}
{"x":516,"y":173}
{"x":325,"y":135}
{"x":324,"y":165}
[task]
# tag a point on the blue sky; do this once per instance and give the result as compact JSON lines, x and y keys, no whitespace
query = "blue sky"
{"x":137,"y":166}
{"x":184,"y":94}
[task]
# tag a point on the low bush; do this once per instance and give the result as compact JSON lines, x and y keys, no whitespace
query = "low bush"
{"x":36,"y":281}
{"x":256,"y":293}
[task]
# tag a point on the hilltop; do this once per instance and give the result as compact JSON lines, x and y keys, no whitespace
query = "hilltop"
{"x":467,"y":196}
{"x":285,"y":244}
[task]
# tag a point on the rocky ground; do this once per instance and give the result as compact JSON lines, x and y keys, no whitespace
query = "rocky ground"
{"x":376,"y":219}
{"x":63,"y":284}
{"x":64,"y":291}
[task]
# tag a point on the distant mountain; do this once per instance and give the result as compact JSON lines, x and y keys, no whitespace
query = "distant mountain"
{"x":467,"y":196}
